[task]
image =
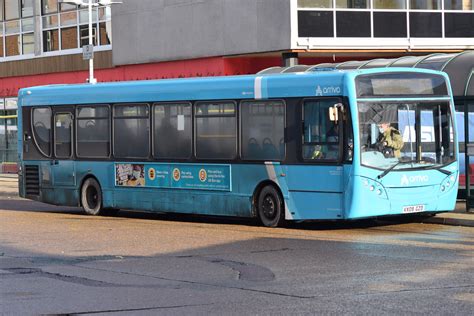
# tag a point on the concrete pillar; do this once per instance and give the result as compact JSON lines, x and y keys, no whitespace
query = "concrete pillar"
{"x":289,"y":59}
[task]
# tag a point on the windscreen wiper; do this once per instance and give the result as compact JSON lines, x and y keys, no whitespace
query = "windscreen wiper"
{"x":383,"y":174}
{"x":437,"y":168}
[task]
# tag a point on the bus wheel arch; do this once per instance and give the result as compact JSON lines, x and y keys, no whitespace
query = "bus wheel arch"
{"x":91,"y":198}
{"x":268,"y":204}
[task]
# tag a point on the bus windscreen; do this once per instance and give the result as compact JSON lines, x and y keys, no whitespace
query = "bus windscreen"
{"x":400,"y":84}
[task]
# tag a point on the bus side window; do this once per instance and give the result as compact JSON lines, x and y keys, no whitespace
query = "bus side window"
{"x":216,"y":130}
{"x":93,"y":131}
{"x":131,"y":131}
{"x":172,"y":130}
{"x":263,"y":128}
{"x":321,"y":135}
{"x":42,"y":129}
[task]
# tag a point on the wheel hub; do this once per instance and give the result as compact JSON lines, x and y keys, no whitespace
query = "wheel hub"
{"x":268,"y":207}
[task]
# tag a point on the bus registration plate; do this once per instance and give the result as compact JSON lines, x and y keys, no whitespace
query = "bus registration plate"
{"x":413,"y":209}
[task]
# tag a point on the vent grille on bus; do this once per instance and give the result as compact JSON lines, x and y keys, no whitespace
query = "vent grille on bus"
{"x":32,"y":180}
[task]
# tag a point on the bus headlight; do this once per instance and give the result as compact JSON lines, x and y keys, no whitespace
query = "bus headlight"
{"x":374,"y":187}
{"x":448,"y":183}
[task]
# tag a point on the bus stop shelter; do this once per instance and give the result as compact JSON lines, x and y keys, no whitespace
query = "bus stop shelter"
{"x":460,"y":69}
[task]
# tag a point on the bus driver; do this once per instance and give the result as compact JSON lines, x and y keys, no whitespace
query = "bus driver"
{"x":390,"y":141}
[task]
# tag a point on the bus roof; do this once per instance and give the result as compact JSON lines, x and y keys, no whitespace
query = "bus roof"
{"x":318,"y":83}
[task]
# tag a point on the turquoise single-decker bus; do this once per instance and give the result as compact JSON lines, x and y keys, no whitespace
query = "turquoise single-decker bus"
{"x":323,"y":145}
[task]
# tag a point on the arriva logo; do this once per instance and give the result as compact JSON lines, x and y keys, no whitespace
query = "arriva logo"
{"x":405,"y":180}
{"x":319,"y":91}
{"x":327,"y":90}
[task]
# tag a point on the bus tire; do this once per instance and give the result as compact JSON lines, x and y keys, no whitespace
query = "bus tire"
{"x":270,"y":207}
{"x":91,"y":197}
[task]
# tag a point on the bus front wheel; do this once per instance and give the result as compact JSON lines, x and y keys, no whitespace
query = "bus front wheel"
{"x":270,"y":207}
{"x":91,"y":197}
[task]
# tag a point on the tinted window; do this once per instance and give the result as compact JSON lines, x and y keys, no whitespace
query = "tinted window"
{"x":321,"y":135}
{"x":131,"y":131}
{"x":93,"y":131}
{"x":394,"y":84}
{"x":465,"y":5}
{"x":172,"y":130}
{"x":459,"y":24}
{"x":63,"y":135}
{"x":425,"y":5}
{"x":263,"y":126}
{"x":314,"y":3}
{"x":391,"y":4}
{"x":216,"y":127}
{"x":356,"y":4}
{"x":42,"y":129}
{"x":315,"y":24}
{"x":423,"y":24}
{"x":390,"y":24}
{"x":346,"y":20}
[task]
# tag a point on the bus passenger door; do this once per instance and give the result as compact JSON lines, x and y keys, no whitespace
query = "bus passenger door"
{"x":316,"y":183}
{"x":62,"y":164}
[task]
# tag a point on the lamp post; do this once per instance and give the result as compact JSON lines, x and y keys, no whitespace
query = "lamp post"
{"x":90,"y":4}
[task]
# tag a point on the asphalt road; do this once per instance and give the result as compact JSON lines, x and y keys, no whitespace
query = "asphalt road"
{"x":55,"y":260}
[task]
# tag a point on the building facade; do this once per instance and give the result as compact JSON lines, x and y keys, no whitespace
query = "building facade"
{"x":41,"y":40}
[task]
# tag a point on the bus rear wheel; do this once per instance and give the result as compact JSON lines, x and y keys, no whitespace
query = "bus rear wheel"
{"x":91,"y":197}
{"x":270,"y":207}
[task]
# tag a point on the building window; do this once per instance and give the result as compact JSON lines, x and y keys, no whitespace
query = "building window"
{"x":69,"y":38}
{"x":84,"y":30}
{"x":390,"y":4}
{"x":49,"y":6}
{"x":263,"y":130}
{"x":105,"y":32}
{"x":314,"y":3}
{"x":12,"y":9}
{"x":68,"y":25}
{"x":27,"y":8}
{"x":27,"y":25}
{"x":464,"y":5}
{"x":28,"y":42}
{"x":93,"y":131}
{"x":216,"y":130}
{"x":172,"y":130}
{"x":131,"y":131}
{"x":353,"y":4}
{"x":347,"y":19}
{"x":51,"y":40}
{"x":315,"y":24}
{"x":425,"y":24}
{"x":425,"y":4}
{"x":68,"y":18}
{"x":12,"y":45}
{"x":12,"y":27}
{"x":8,"y":130}
{"x":67,"y":7}
{"x":459,"y":24}
{"x":1,"y":43}
{"x":390,"y":24}
{"x":50,"y":21}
